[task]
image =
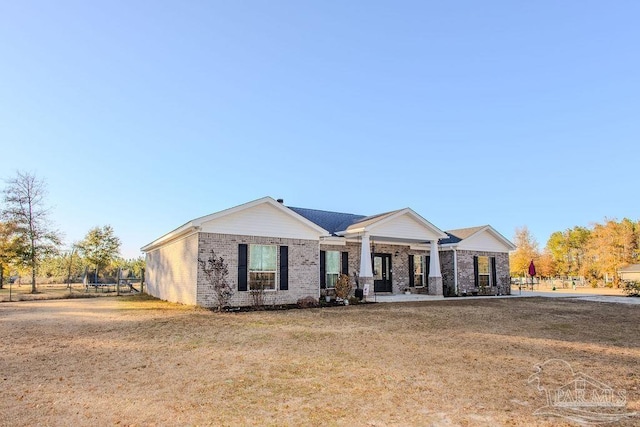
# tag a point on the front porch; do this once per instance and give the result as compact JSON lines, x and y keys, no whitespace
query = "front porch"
{"x":394,"y":267}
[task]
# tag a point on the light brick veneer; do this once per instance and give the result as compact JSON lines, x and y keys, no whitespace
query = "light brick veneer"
{"x":466,"y":277}
{"x":399,"y":263}
{"x":304,"y":268}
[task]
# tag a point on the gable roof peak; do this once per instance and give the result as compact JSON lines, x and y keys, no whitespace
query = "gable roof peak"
{"x":458,"y":235}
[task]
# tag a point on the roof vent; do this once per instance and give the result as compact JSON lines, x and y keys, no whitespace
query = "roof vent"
{"x":281,"y":201}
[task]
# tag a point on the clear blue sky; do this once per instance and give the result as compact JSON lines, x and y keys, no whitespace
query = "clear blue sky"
{"x":146,"y":114}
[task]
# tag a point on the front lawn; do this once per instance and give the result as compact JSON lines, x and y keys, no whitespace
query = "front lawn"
{"x":139,"y":361}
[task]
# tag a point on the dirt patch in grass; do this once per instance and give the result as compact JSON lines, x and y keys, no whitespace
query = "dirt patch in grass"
{"x":57,"y":291}
{"x":139,"y":361}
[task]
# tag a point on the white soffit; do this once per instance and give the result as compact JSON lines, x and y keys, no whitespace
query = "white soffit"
{"x":333,"y":240}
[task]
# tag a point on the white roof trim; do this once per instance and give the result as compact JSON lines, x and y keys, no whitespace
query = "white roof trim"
{"x":370,"y":227}
{"x":487,"y":228}
{"x":171,"y":236}
{"x":195,"y":224}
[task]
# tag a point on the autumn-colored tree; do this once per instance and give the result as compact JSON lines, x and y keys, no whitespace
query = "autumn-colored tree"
{"x":527,"y":250}
{"x":611,"y":246}
{"x":12,"y":245}
{"x":557,"y":247}
{"x":546,"y":266}
{"x":568,"y":250}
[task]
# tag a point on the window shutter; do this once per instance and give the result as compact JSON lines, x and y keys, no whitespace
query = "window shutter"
{"x":345,"y":263}
{"x":242,"y":267}
{"x":476,"y":281}
{"x":427,"y":267}
{"x":494,"y":276}
{"x":411,"y":272}
{"x":323,"y":270}
{"x":284,"y":268}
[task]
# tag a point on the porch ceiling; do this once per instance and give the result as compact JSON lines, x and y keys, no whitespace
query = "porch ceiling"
{"x":390,"y":240}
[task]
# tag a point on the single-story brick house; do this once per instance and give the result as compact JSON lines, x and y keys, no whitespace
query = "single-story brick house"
{"x":294,"y":253}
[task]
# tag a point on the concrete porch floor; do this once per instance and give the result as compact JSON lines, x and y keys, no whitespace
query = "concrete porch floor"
{"x":403,"y":298}
{"x":594,"y":295}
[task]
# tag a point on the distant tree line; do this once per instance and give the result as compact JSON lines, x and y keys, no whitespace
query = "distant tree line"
{"x":31,"y":249}
{"x":595,"y":253}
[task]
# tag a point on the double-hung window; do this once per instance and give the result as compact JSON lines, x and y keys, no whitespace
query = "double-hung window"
{"x":263,"y":263}
{"x":484,"y":272}
{"x":332,"y":267}
{"x":419,"y":269}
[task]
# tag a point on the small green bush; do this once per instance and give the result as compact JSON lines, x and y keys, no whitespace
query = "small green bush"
{"x":632,"y":289}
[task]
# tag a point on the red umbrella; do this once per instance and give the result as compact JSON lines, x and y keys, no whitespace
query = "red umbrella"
{"x":532,"y":269}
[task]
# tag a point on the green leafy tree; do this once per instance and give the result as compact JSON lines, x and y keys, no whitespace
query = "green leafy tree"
{"x":557,"y":247}
{"x":62,"y":266}
{"x":134,"y":265}
{"x":24,"y":198}
{"x":100,"y":247}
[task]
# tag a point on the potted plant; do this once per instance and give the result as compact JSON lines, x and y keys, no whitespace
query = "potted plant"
{"x":343,"y":288}
{"x":325,"y":294}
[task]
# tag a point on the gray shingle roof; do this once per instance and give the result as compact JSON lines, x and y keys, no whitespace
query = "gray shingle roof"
{"x":364,"y":221}
{"x":330,"y":221}
{"x":456,"y":236}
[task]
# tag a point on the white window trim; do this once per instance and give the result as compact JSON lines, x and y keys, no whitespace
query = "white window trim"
{"x":249,"y":271}
{"x":423,"y":261}
{"x":488,"y":274}
{"x":326,"y":273}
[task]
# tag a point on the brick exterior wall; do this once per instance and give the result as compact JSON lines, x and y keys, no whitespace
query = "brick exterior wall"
{"x":170,"y":272}
{"x":304,"y":268}
{"x":448,"y":281}
{"x":173,"y":273}
{"x":353,"y":249}
{"x":466,"y":277}
{"x":399,"y":264}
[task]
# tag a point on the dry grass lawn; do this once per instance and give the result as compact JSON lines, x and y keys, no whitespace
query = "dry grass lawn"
{"x":136,"y":361}
{"x":56,"y":291}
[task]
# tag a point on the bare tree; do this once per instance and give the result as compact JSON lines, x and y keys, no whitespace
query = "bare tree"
{"x":24,"y":198}
{"x":215,"y":270}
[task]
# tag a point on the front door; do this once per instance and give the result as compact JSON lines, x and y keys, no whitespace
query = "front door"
{"x":382,"y":272}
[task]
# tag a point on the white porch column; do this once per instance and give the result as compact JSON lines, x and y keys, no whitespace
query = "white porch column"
{"x":365,"y":259}
{"x":435,"y":276}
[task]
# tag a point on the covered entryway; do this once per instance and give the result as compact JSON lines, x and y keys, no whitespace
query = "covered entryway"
{"x":402,"y":227}
{"x":382,"y":273}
